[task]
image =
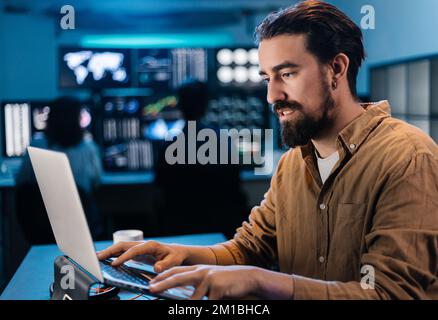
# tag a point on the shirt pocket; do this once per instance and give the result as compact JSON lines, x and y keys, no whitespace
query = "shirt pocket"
{"x":350,"y":219}
{"x":347,"y":238}
{"x":347,"y":210}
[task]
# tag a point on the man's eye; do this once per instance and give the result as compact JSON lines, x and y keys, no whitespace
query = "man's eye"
{"x":265,"y":80}
{"x":287,"y":75}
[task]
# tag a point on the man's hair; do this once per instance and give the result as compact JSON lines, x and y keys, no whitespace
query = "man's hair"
{"x":328,"y":32}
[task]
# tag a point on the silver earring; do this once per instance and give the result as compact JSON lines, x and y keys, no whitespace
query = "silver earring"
{"x":334,"y":85}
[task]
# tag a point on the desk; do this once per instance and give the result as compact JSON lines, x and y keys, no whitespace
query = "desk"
{"x":33,"y":277}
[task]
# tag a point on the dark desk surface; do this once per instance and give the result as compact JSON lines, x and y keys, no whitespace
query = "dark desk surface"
{"x":108,"y":178}
{"x":32,"y":279}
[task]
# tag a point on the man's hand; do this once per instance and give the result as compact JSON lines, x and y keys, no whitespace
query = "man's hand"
{"x":166,"y":255}
{"x":230,"y":282}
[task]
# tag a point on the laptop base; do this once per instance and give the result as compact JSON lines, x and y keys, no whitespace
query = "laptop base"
{"x":71,"y":282}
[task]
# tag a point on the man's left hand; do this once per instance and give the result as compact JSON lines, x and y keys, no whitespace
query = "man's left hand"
{"x":226,"y":282}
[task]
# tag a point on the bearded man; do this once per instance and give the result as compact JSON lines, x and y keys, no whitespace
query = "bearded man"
{"x":352,"y":210}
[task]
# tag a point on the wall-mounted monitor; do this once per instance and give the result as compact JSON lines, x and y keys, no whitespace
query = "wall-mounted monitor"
{"x":16,"y":128}
{"x":237,"y":67}
{"x":94,"y":68}
{"x":131,"y":124}
{"x":164,"y":70}
{"x":24,"y":121}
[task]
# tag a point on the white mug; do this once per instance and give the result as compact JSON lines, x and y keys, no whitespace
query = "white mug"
{"x":127,"y":235}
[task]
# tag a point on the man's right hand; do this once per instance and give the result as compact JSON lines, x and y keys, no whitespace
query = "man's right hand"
{"x":166,"y":255}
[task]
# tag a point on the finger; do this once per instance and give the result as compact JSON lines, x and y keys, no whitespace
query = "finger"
{"x":115,"y":250}
{"x":200,"y":290}
{"x":168,"y":262}
{"x":192,"y":278}
{"x":171,"y":272}
{"x":143,"y":248}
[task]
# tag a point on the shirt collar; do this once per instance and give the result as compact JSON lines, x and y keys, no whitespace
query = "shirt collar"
{"x":355,"y":133}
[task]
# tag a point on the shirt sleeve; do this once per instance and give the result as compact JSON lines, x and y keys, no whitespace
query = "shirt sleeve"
{"x":402,"y":245}
{"x":255,"y":242}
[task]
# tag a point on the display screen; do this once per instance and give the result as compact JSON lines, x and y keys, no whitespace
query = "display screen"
{"x":237,"y":67}
{"x":164,"y":70}
{"x":26,"y":121}
{"x":94,"y":68}
{"x":17,"y":128}
{"x":131,"y":124}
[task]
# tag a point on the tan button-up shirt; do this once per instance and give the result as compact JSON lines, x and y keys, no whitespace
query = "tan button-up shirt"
{"x":378,"y":210}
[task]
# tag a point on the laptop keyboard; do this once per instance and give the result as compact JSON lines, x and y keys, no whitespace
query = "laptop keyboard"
{"x":122,"y":273}
{"x":126,"y":275}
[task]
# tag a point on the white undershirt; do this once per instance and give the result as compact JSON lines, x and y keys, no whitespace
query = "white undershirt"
{"x":326,"y":165}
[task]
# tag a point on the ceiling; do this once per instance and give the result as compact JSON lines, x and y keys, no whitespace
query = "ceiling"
{"x":157,"y":15}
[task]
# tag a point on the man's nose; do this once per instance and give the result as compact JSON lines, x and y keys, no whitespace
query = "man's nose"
{"x":275,"y":93}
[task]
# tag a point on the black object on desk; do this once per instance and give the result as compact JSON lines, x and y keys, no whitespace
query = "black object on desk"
{"x":62,"y":289}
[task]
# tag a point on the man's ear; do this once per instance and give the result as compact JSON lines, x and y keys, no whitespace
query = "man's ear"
{"x":339,"y":66}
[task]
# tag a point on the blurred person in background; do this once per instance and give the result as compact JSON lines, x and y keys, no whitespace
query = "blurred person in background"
{"x":198,"y":198}
{"x":63,"y":133}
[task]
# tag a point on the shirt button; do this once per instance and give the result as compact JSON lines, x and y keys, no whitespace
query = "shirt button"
{"x":352,"y":146}
{"x":321,"y":259}
{"x":322,"y":206}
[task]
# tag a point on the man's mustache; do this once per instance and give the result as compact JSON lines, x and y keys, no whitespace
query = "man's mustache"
{"x":285,"y":105}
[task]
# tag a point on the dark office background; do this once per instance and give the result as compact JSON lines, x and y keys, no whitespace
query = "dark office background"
{"x":402,"y":66}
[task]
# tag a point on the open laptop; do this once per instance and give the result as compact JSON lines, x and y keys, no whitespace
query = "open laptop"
{"x":63,"y":205}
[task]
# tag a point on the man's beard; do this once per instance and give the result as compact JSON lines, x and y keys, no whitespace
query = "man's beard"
{"x":299,"y":131}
